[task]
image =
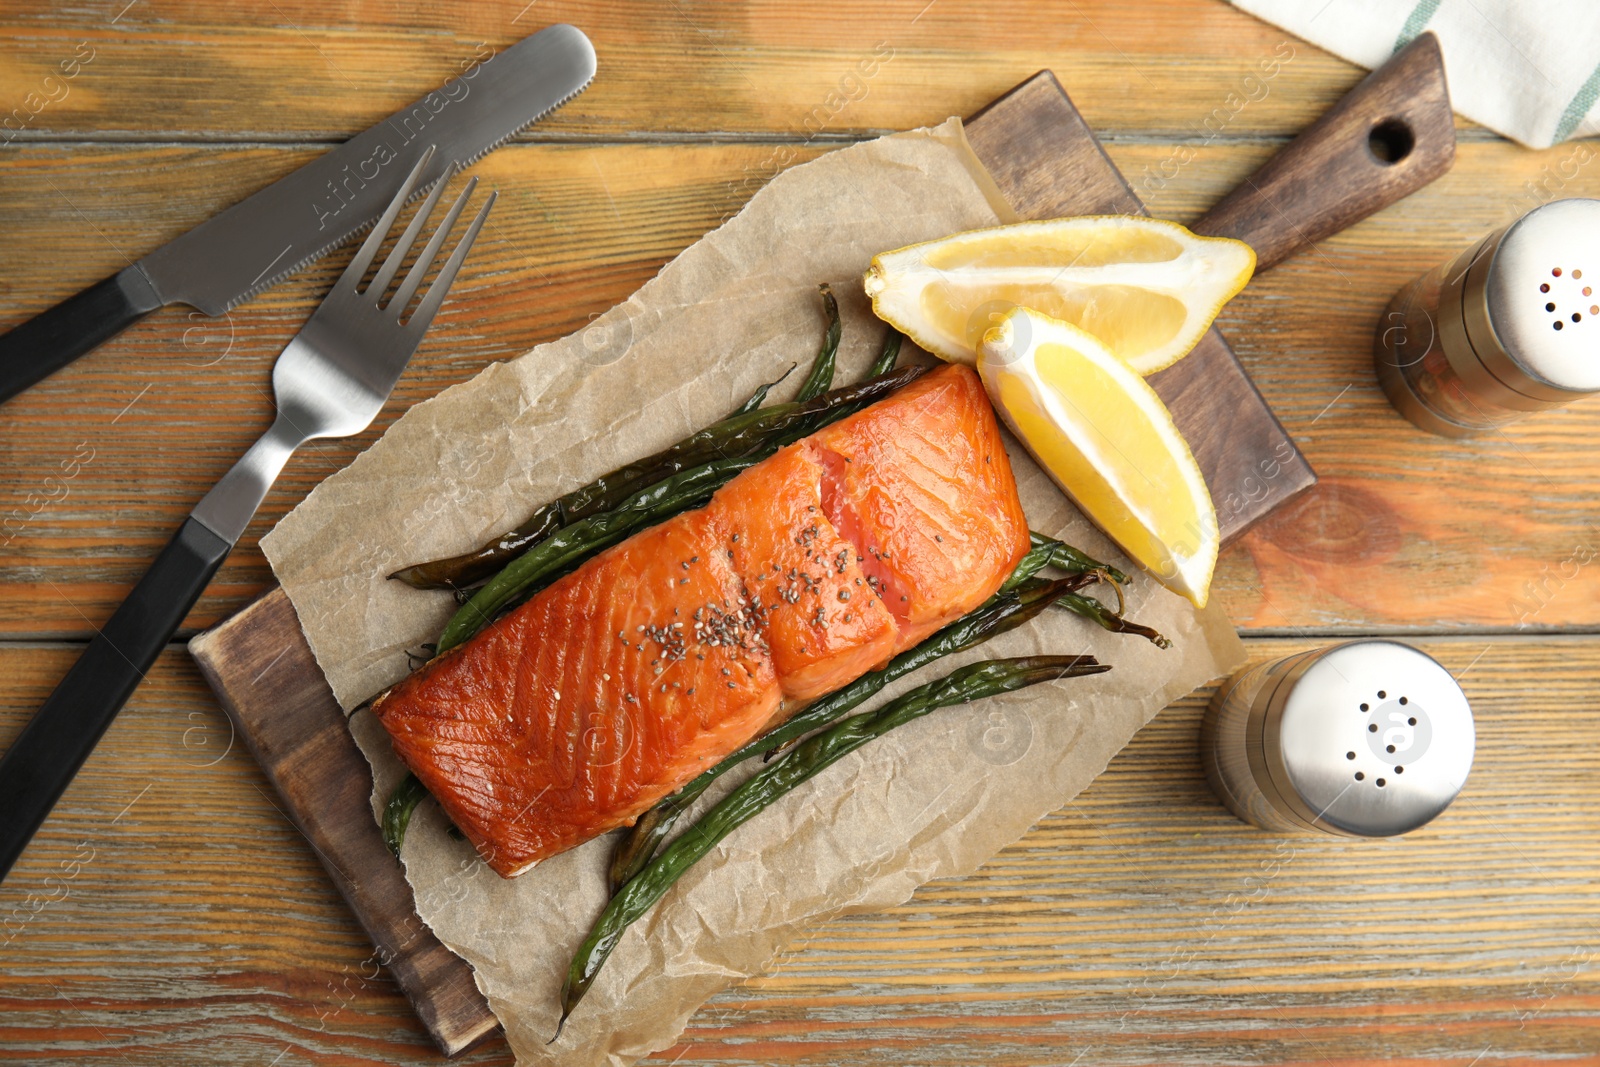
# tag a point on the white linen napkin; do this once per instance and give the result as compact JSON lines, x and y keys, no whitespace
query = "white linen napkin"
{"x":1530,"y":71}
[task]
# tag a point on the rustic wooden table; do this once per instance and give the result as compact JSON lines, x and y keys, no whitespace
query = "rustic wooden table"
{"x":168,"y":913}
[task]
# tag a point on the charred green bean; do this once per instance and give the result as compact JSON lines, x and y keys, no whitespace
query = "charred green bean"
{"x":767,"y":785}
{"x":889,"y":353}
{"x":397,"y":812}
{"x":570,"y":545}
{"x":1096,"y":612}
{"x":763,"y":429}
{"x":759,"y":397}
{"x":820,"y":380}
{"x":1000,"y":613}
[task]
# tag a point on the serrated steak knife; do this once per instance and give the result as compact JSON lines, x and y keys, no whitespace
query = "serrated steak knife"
{"x":263,"y":239}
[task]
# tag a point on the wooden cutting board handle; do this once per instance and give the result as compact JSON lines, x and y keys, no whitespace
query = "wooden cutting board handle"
{"x":1390,"y":135}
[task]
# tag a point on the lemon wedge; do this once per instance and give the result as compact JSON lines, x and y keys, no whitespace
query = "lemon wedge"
{"x":1147,"y":288}
{"x":1106,"y":438}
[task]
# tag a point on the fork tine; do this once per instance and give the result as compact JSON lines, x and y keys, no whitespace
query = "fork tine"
{"x":397,"y":255}
{"x":447,"y":273}
{"x":380,"y":229}
{"x":419,"y":269}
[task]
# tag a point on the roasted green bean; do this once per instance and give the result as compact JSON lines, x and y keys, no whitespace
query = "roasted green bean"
{"x":397,"y":812}
{"x":654,"y":825}
{"x":759,"y":397}
{"x":820,"y":380}
{"x":1020,"y":599}
{"x":999,"y":614}
{"x":804,"y":761}
{"x":886,"y":357}
{"x":1049,"y":552}
{"x":570,"y":545}
{"x":1096,"y":612}
{"x":765,"y":428}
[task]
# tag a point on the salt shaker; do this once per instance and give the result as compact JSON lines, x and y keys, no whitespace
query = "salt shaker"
{"x":1369,"y":738}
{"x":1508,"y":327}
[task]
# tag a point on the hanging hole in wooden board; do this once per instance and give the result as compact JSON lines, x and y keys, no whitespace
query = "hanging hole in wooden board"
{"x":1391,"y":141}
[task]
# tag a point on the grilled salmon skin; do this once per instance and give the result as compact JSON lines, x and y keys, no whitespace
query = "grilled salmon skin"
{"x":610,"y":689}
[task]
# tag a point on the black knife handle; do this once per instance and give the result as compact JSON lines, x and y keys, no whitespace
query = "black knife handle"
{"x":45,"y":757}
{"x":53,"y":338}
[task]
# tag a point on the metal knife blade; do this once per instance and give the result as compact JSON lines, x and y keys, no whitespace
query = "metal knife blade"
{"x":296,"y":219}
{"x":271,"y":234}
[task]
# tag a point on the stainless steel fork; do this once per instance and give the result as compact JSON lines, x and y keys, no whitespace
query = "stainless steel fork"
{"x":330,"y":381}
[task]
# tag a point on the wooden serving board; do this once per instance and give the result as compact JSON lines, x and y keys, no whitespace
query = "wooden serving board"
{"x":1047,"y":163}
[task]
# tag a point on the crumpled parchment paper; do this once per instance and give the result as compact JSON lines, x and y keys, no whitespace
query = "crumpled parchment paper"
{"x":932,"y":799}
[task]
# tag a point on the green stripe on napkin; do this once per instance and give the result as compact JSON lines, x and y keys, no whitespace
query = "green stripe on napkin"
{"x":1581,"y":103}
{"x":1416,"y":22}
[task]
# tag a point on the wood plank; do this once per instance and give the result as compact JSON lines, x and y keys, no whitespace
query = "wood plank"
{"x":1450,"y":522}
{"x":306,"y":70}
{"x":169,"y":912}
{"x":1137,"y":925}
{"x":279,"y":704}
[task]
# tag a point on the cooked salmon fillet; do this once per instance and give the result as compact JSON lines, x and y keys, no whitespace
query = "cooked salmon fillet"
{"x":610,"y":689}
{"x":920,"y":483}
{"x":824,"y":625}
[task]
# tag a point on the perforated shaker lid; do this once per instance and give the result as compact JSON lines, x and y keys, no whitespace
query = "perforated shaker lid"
{"x":1541,"y":291}
{"x":1373,"y":738}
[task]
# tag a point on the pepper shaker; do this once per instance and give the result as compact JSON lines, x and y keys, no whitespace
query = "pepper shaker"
{"x":1508,"y":327}
{"x":1368,"y":738}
